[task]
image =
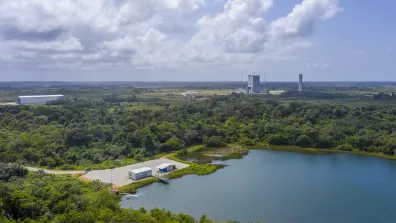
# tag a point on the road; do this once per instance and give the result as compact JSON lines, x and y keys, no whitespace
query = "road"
{"x":60,"y":172}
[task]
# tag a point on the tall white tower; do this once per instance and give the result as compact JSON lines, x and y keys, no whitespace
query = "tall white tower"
{"x":300,"y":87}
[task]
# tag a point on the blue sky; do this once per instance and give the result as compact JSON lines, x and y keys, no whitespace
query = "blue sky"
{"x":197,"y":40}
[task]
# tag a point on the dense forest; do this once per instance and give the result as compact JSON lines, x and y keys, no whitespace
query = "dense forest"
{"x":39,"y":197}
{"x":83,"y":132}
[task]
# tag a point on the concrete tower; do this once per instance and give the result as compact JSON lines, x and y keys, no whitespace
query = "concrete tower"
{"x":300,"y":87}
{"x":253,"y":84}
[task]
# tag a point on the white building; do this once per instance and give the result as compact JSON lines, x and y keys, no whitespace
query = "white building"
{"x":277,"y":92}
{"x":254,"y":85}
{"x":37,"y":99}
{"x":140,"y":173}
{"x":166,"y":167}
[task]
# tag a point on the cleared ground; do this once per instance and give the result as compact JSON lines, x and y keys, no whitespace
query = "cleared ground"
{"x":120,"y":175}
{"x":8,"y":103}
{"x":61,"y":172}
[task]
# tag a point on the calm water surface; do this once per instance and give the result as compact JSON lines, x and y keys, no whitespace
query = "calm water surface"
{"x":283,"y":187}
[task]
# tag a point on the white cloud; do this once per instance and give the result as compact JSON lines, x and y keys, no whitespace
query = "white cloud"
{"x":70,"y":44}
{"x":151,"y":33}
{"x":301,"y":21}
{"x":106,"y":15}
{"x":147,"y":42}
{"x":239,"y":28}
{"x":390,"y":50}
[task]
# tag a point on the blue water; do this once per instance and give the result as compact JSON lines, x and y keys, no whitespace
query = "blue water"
{"x":283,"y":187}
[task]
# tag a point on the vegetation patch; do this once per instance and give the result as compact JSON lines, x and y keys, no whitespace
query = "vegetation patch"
{"x":224,"y":153}
{"x":194,"y":168}
{"x":132,"y":188}
{"x":320,"y":151}
{"x":112,"y":127}
{"x":202,"y":154}
{"x":39,"y":197}
{"x":198,"y":169}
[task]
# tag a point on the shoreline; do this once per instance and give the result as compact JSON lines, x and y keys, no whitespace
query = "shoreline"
{"x":232,"y":151}
{"x":238,"y":152}
{"x":206,"y":169}
{"x":297,"y":149}
{"x":194,"y":168}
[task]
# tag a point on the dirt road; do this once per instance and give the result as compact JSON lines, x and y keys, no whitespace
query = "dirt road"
{"x":61,"y":172}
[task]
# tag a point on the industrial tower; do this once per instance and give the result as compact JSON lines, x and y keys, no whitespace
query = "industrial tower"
{"x":254,"y":85}
{"x":300,"y":87}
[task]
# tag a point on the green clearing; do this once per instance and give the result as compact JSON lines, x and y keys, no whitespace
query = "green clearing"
{"x":132,"y":188}
{"x":194,"y":168}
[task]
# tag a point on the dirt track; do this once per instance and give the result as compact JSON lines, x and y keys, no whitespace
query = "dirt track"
{"x":60,"y":172}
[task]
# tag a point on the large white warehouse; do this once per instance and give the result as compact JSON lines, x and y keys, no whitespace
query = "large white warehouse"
{"x":140,"y":173}
{"x":37,"y":99}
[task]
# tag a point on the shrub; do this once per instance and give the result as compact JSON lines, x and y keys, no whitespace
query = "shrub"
{"x":345,"y":147}
{"x":214,"y":141}
{"x":247,"y":142}
{"x":8,"y":171}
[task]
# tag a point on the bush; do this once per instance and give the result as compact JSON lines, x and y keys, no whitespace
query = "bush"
{"x":199,"y":169}
{"x":182,"y":153}
{"x":214,"y":141}
{"x":67,"y":167}
{"x":304,"y":141}
{"x":277,"y":139}
{"x":132,"y":188}
{"x":345,"y":147}
{"x":247,"y":142}
{"x":8,"y":171}
{"x":172,"y":144}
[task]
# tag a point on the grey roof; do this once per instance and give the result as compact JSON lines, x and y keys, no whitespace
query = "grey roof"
{"x":140,"y":170}
{"x":165,"y":165}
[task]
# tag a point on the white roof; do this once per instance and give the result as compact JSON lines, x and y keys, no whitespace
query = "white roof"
{"x":140,"y":170}
{"x":165,"y":165}
{"x":40,"y":96}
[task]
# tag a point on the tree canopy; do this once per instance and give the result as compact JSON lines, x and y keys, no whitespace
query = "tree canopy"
{"x":85,"y":132}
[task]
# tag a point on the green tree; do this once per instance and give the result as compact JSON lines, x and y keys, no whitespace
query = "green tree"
{"x":214,"y":141}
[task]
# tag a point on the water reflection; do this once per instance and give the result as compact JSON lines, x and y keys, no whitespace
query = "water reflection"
{"x":283,"y":187}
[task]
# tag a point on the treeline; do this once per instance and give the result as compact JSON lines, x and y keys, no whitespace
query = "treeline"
{"x":39,"y":197}
{"x":113,"y":98}
{"x":121,"y":92}
{"x":85,"y":132}
{"x":384,"y":96}
{"x":316,"y":95}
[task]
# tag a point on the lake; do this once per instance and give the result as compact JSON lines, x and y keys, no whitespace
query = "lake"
{"x":274,"y":186}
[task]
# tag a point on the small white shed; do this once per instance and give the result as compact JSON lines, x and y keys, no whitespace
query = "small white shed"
{"x":166,"y":167}
{"x":137,"y":174}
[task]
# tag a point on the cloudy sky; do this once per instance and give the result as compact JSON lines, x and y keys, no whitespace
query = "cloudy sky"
{"x":197,"y":40}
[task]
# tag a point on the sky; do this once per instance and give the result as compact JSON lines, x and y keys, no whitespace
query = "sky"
{"x":197,"y":40}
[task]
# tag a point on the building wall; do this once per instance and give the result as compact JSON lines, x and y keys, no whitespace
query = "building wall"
{"x":256,"y":79}
{"x":300,"y":80}
{"x":37,"y":100}
{"x":250,"y":80}
{"x":253,"y":84}
{"x":167,"y":169}
{"x":141,"y":175}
